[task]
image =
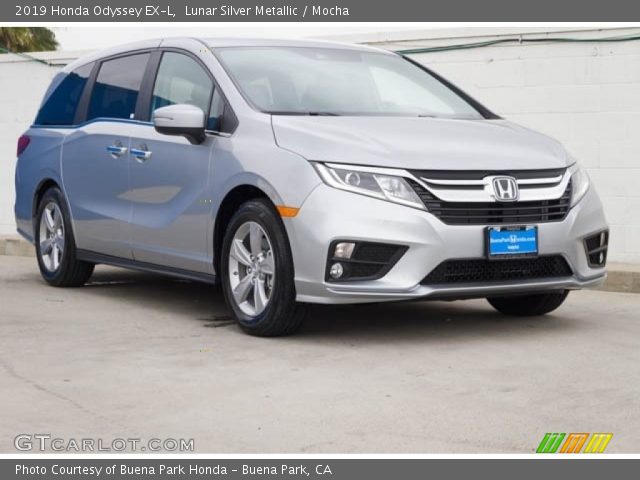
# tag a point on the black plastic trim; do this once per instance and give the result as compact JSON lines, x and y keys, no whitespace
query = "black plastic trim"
{"x":83,"y":104}
{"x":99,"y":258}
{"x":143,"y":106}
{"x":385,"y":266}
{"x":604,"y":248}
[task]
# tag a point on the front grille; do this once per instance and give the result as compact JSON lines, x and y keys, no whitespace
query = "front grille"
{"x":482,"y":270}
{"x":491,"y":213}
{"x":480,"y":174}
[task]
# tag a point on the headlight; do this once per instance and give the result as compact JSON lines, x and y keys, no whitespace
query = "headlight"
{"x":383,"y":183}
{"x":579,"y":183}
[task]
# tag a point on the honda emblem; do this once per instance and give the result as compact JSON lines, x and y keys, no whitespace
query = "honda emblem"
{"x":505,"y":189}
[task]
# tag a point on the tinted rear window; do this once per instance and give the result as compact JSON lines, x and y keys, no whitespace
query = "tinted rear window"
{"x":60,"y":105}
{"x":115,"y":92}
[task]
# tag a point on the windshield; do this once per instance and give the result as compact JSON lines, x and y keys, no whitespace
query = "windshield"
{"x":330,"y":81}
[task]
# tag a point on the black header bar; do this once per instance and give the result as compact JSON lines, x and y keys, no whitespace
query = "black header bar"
{"x":32,"y":11}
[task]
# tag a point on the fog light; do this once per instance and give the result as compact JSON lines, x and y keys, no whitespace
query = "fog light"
{"x":336,"y":270}
{"x":344,"y":250}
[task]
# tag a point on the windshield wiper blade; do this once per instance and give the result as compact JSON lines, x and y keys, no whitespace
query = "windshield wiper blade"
{"x":448,"y":117}
{"x":311,"y":114}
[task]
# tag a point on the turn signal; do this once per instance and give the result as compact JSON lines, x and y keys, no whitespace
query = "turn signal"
{"x":287,"y":211}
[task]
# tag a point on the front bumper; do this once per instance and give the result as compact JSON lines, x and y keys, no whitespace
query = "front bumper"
{"x":329,"y":214}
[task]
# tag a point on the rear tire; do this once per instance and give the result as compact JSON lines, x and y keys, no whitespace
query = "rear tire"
{"x":528,"y":305}
{"x":55,"y":244}
{"x":257,"y":272}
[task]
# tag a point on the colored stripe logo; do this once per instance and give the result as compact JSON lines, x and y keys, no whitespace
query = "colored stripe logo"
{"x":598,"y":442}
{"x":574,"y":442}
{"x":550,"y":442}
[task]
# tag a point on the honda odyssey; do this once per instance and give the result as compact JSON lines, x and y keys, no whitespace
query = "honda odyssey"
{"x":298,"y":172}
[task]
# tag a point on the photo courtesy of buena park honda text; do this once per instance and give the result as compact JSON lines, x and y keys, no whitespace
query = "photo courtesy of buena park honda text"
{"x":324,"y":239}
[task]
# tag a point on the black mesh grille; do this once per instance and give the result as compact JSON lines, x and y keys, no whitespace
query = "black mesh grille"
{"x":482,"y":270}
{"x":474,"y":213}
{"x":375,"y":252}
{"x":361,"y":270}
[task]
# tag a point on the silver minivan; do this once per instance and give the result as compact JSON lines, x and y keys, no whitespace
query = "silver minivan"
{"x":298,"y":172}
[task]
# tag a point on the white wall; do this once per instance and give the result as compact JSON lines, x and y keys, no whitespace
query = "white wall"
{"x":585,"y":95}
{"x":22,"y":84}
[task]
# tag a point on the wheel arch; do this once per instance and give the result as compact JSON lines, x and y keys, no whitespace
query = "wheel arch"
{"x":44,"y":185}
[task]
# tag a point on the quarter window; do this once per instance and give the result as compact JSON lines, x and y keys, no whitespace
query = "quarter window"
{"x":60,"y":105}
{"x":115,"y":92}
{"x":216,"y":113}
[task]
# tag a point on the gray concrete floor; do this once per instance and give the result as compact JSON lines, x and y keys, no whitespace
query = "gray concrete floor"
{"x":133,"y":355}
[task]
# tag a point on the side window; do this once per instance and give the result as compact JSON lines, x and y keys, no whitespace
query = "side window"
{"x":61,"y":102}
{"x":181,"y":79}
{"x":115,"y":92}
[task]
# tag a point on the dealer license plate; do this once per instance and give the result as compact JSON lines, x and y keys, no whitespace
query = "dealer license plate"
{"x":505,"y":242}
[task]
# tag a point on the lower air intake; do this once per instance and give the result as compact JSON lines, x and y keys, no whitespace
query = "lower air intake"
{"x":482,"y":270}
{"x":596,"y":247}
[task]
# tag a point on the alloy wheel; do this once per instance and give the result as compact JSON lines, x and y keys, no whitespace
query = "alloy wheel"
{"x":251,"y":268}
{"x":51,"y":237}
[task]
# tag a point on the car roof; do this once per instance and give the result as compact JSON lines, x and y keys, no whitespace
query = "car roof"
{"x":115,"y":50}
{"x":219,"y":42}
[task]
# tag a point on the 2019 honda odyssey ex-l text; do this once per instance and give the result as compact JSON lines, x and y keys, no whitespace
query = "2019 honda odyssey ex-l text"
{"x":297,"y":172}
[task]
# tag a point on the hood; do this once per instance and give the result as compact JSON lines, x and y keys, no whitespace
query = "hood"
{"x":419,"y":143}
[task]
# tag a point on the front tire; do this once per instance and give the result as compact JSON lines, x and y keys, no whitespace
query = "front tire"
{"x":55,"y":244}
{"x":528,"y":305}
{"x":257,"y":272}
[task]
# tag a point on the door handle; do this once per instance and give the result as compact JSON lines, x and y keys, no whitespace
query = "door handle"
{"x":116,"y":150}
{"x":141,"y":154}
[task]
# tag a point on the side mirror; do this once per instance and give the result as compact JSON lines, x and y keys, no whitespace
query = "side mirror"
{"x":182,"y":120}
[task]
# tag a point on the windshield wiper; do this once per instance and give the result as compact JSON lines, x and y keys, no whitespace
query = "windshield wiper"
{"x":448,"y":117}
{"x":311,"y":114}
